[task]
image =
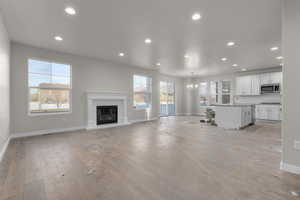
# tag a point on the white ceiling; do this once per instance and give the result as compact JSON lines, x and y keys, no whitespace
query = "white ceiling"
{"x":103,"y":28}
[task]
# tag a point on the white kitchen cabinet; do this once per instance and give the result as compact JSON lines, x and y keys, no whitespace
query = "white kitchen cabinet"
{"x":276,"y":77}
{"x":248,"y":85}
{"x":233,"y":116}
{"x":255,"y":85}
{"x":239,"y":86}
{"x":268,"y":112}
{"x":243,"y":85}
{"x":265,"y":79}
{"x":271,"y":78}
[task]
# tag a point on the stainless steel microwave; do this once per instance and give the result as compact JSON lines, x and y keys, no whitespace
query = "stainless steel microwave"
{"x":270,"y":88}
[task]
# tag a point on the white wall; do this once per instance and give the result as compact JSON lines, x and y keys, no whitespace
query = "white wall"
{"x":4,"y":85}
{"x":191,"y":96}
{"x":291,"y":73}
{"x":87,"y":75}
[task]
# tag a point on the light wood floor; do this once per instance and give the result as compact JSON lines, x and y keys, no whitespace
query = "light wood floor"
{"x":174,"y":158}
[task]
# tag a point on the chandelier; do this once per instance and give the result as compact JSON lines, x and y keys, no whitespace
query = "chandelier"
{"x":192,"y":86}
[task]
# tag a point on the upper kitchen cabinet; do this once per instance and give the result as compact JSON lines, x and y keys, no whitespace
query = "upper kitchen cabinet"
{"x":276,"y":77}
{"x":248,"y":85}
{"x":271,"y":78}
{"x":243,"y":85}
{"x":251,"y":85}
{"x":255,"y":85}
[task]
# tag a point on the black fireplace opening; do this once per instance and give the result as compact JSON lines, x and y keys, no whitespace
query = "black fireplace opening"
{"x":107,"y":114}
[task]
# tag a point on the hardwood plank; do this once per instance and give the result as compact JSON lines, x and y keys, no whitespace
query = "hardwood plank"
{"x":172,"y":158}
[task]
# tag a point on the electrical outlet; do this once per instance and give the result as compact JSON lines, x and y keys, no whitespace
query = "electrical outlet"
{"x":297,"y":145}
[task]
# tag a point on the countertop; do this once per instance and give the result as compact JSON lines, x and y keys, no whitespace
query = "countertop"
{"x":233,"y":105}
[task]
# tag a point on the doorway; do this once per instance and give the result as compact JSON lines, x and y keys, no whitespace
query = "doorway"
{"x":167,"y":98}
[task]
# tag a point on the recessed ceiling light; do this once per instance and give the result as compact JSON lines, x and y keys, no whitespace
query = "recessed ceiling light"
{"x":230,"y":44}
{"x":196,"y":16}
{"x":224,"y":59}
{"x":121,"y":54}
{"x":157,"y":64}
{"x":274,"y":48}
{"x":70,"y":11}
{"x":148,"y":41}
{"x":279,"y":57}
{"x":186,"y":56}
{"x":58,"y":38}
{"x":244,"y":69}
{"x":235,"y":65}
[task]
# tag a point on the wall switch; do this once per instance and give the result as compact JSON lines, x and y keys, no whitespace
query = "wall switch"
{"x":297,"y":145}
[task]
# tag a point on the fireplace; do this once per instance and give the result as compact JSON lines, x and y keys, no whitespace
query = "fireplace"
{"x":107,"y":114}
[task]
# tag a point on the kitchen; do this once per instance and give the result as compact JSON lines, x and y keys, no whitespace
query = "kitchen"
{"x":242,"y":99}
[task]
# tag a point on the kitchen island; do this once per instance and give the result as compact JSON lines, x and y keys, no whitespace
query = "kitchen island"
{"x":234,"y":116}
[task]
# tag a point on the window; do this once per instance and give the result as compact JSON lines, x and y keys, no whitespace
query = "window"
{"x":49,"y":87}
{"x":167,"y":98}
{"x":203,"y":93}
{"x":214,"y":92}
{"x":142,"y":89}
{"x":226,"y":92}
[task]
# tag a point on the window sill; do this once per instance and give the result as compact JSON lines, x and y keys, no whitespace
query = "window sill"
{"x":48,"y":113}
{"x":137,"y":108}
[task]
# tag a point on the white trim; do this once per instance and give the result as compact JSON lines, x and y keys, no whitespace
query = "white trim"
{"x":147,"y":92}
{"x":180,"y":114}
{"x":93,"y":97}
{"x":108,"y":126}
{"x":32,"y":114}
{"x":61,"y":130}
{"x":29,"y":113}
{"x":289,"y":168}
{"x":143,"y":120}
{"x":185,"y":114}
{"x":3,"y":150}
{"x":45,"y":132}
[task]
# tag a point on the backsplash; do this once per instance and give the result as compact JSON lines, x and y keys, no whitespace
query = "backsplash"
{"x":268,"y":98}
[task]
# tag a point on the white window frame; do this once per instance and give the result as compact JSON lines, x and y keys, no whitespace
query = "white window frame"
{"x":207,"y":92}
{"x":229,"y":93}
{"x":150,"y":92}
{"x":28,"y":91}
{"x":215,"y":94}
{"x":168,"y":82}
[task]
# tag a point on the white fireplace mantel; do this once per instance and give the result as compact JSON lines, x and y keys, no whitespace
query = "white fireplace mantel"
{"x":95,"y":99}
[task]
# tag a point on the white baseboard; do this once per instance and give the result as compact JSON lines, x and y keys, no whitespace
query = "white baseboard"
{"x":108,"y":126}
{"x":289,"y":168}
{"x":143,"y":120}
{"x":45,"y":132}
{"x":188,"y":114}
{"x":3,"y":150}
{"x":60,"y":130}
{"x":180,"y":114}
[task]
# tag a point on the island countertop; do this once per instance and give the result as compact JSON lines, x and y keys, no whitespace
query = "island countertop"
{"x":233,"y":105}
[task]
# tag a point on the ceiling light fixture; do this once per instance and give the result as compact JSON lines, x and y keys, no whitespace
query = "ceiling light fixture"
{"x":279,"y":57}
{"x":196,"y":16}
{"x":70,"y":11}
{"x":224,"y":59}
{"x":186,"y":56}
{"x":192,"y":85}
{"x":244,"y":69}
{"x":121,"y":54}
{"x":157,"y":64}
{"x":58,"y":38}
{"x":235,"y":65}
{"x":230,"y":44}
{"x":274,"y":48}
{"x":148,"y":41}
